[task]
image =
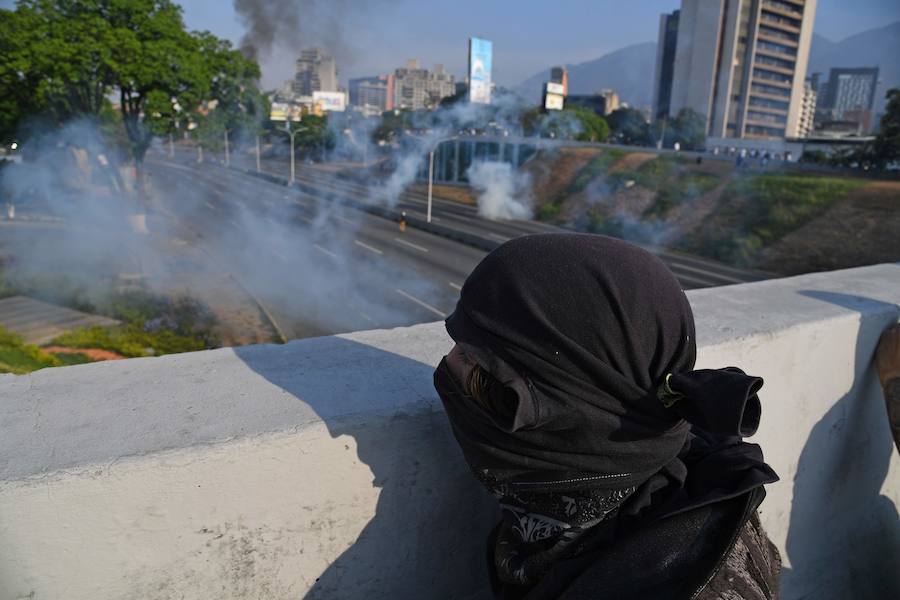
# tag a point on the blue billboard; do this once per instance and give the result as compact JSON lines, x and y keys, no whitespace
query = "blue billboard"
{"x":481,"y":55}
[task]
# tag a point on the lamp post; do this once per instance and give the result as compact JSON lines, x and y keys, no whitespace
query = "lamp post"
{"x":430,"y":183}
{"x":227,"y":154}
{"x":291,"y":133}
{"x":258,"y":169}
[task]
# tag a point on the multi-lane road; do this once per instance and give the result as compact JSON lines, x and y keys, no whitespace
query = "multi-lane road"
{"x":317,"y":265}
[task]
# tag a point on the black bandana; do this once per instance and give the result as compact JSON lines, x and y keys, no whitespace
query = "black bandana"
{"x":593,"y":342}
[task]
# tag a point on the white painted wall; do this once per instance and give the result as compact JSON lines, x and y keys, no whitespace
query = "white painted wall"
{"x":255,"y":472}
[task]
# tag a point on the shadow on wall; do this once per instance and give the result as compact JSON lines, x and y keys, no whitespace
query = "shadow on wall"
{"x":844,"y":536}
{"x":432,"y":517}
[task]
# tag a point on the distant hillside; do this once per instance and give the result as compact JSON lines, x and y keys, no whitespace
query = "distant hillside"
{"x":875,"y":47}
{"x":629,"y":71}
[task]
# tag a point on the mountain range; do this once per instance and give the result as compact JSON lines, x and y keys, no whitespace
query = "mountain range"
{"x":630,"y":70}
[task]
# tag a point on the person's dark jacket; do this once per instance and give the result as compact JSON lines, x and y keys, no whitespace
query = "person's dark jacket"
{"x":717,"y":552}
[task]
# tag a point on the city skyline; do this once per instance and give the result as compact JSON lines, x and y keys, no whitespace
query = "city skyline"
{"x":439,"y":33}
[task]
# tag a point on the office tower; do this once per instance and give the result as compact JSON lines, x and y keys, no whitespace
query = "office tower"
{"x":849,"y":95}
{"x":372,"y":95}
{"x":315,"y":72}
{"x":611,"y":101}
{"x":417,"y":88}
{"x":665,"y":64}
{"x":808,"y":108}
{"x":741,"y":65}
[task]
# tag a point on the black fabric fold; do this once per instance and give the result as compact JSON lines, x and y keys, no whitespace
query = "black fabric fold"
{"x":582,"y":330}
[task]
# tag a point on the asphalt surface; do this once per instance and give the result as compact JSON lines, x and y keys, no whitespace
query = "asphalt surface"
{"x":316,"y":267}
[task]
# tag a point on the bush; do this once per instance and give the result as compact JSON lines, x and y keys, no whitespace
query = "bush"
{"x":18,"y":358}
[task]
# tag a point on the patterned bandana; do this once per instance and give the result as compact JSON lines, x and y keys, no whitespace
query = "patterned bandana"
{"x":538,"y":528}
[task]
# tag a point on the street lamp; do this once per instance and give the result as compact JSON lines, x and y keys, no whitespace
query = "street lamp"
{"x":291,"y":133}
{"x":431,"y":152}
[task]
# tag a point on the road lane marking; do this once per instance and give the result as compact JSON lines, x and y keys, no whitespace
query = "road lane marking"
{"x":366,"y":317}
{"x":234,"y":223}
{"x":324,"y":251}
{"x":421,"y":303}
{"x":411,"y":245}
{"x":367,"y":247}
{"x":344,"y":219}
{"x":499,"y":237}
{"x":305,"y":219}
{"x":209,"y":205}
{"x":455,"y":286}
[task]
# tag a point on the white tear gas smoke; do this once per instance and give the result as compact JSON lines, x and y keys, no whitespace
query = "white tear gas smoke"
{"x":300,"y":257}
{"x":503,"y":193}
{"x":448,"y":123}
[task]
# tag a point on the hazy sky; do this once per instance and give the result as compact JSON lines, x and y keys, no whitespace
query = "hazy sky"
{"x":528,"y":35}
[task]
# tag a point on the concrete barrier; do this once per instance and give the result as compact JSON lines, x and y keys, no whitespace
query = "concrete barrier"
{"x":325,"y":468}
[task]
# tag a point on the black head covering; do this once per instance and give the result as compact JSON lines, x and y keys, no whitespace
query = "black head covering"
{"x":592,"y":339}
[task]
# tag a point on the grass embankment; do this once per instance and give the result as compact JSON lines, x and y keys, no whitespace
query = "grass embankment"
{"x":764,"y":208}
{"x":598,"y":166}
{"x":17,"y":357}
{"x":152,"y":325}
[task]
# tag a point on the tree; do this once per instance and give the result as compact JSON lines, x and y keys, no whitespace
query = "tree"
{"x":593,"y":127}
{"x":629,"y":126}
{"x":885,"y":149}
{"x":688,"y":128}
{"x":68,"y":56}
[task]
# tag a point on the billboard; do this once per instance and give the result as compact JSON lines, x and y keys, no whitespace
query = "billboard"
{"x":556,"y":88}
{"x":481,"y":56}
{"x":553,"y":102}
{"x":283,"y":111}
{"x":331,"y":101}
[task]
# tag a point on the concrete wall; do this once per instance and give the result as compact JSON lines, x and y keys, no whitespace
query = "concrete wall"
{"x":325,"y":468}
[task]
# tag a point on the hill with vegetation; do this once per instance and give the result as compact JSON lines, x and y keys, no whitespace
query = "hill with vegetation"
{"x":776,"y":217}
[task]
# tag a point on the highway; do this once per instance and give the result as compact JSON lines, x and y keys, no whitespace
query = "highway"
{"x":320,"y":267}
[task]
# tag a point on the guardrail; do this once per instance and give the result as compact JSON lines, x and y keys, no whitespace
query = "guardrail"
{"x":325,"y":468}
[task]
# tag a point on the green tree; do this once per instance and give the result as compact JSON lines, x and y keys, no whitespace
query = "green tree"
{"x":68,"y":56}
{"x":593,"y":127}
{"x":885,"y":149}
{"x":688,"y":128}
{"x":629,"y":126}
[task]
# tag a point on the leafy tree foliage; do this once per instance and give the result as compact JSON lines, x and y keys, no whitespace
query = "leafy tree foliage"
{"x":629,"y":126}
{"x":63,"y":59}
{"x":687,"y":128}
{"x":886,"y":147}
{"x":593,"y":127}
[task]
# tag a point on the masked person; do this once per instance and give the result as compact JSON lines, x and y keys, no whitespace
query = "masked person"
{"x":619,"y":469}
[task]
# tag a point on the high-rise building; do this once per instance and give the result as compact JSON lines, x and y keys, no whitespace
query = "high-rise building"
{"x":808,"y":108}
{"x":417,"y":88}
{"x":315,"y":72}
{"x":741,"y":65}
{"x":849,"y":95}
{"x":372,"y":95}
{"x":611,"y":101}
{"x":665,"y":64}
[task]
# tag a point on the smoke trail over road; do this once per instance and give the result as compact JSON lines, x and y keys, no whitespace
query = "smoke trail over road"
{"x":503,"y":193}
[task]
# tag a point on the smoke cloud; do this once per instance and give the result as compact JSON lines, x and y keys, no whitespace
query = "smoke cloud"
{"x":503,"y":193}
